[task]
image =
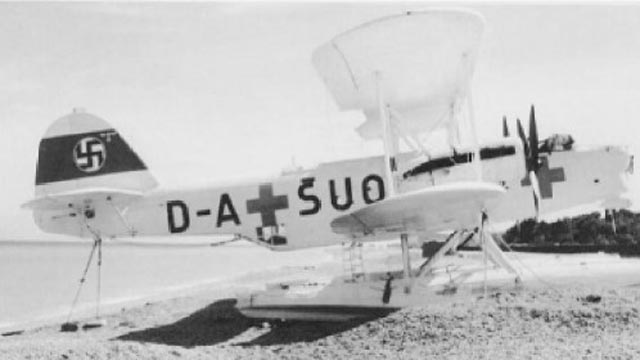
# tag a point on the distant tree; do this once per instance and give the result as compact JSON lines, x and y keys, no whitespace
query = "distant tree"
{"x":587,"y":229}
{"x":623,"y":239}
{"x":561,"y":232}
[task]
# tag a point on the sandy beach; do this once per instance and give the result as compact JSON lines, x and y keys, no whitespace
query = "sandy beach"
{"x":577,"y":320}
{"x":531,"y":324}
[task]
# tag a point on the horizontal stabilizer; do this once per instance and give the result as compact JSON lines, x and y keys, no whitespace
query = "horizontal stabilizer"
{"x":78,"y":198}
{"x":449,"y":206}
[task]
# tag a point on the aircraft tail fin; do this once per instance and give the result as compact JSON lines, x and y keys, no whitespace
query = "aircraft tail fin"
{"x":82,"y":152}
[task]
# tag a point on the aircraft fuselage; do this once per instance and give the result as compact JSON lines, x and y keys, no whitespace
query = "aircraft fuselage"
{"x":295,"y":211}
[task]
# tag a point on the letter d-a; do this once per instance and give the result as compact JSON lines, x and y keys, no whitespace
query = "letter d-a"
{"x":177,"y":209}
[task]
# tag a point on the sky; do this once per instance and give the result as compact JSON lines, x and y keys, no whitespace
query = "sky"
{"x":211,"y":92}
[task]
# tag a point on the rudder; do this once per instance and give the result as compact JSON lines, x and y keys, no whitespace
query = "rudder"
{"x":82,"y":151}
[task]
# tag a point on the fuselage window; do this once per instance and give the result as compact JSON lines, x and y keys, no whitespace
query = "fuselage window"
{"x":496,"y":152}
{"x":459,"y":158}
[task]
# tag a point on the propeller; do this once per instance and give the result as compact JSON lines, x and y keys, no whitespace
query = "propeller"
{"x":505,"y":128}
{"x":525,"y":143}
{"x":533,"y":178}
{"x":533,"y":140}
{"x":532,"y":156}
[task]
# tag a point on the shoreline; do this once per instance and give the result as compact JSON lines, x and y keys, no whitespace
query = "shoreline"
{"x":38,"y":282}
{"x":239,"y":284}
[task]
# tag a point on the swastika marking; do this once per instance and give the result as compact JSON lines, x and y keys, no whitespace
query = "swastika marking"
{"x":89,"y":154}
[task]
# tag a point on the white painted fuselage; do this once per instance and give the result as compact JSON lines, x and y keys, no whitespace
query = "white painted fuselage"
{"x":295,"y":211}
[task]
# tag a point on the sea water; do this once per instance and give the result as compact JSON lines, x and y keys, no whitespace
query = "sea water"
{"x":38,"y":279}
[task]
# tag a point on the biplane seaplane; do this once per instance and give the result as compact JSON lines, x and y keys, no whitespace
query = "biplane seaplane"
{"x":410,"y":75}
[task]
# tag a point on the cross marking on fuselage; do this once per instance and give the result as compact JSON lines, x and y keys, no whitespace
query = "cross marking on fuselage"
{"x":546,"y":178}
{"x":266,"y":204}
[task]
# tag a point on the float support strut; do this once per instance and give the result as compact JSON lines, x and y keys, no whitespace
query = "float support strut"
{"x":406,"y":262}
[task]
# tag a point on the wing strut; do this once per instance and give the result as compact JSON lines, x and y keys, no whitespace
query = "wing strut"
{"x":491,"y":251}
{"x":474,"y":136}
{"x":390,"y":147}
{"x":451,"y":243}
{"x":406,"y":262}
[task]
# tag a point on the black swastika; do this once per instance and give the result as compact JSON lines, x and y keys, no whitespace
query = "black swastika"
{"x":89,"y":154}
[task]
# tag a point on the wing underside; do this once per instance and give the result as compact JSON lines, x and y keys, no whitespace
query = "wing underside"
{"x":82,"y":197}
{"x":450,"y":206}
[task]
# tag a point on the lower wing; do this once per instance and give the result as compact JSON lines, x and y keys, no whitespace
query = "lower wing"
{"x":448,"y":206}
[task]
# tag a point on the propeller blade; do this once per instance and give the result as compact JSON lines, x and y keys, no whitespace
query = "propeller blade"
{"x":505,"y":128}
{"x":535,"y":185}
{"x":525,"y":143}
{"x":533,"y":139}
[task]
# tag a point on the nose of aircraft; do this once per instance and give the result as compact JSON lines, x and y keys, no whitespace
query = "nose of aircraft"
{"x":620,"y":198}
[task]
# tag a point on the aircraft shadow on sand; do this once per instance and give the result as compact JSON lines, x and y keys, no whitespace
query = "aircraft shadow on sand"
{"x":221,"y":321}
{"x":213,"y":324}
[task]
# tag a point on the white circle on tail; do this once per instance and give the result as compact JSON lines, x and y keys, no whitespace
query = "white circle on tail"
{"x":89,"y":154}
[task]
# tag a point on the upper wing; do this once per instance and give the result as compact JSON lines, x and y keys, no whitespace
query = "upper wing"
{"x":421,"y":68}
{"x":438,"y":207}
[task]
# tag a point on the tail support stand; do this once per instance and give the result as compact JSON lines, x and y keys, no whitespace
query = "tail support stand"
{"x":82,"y":280}
{"x":97,"y":245}
{"x":99,"y":282}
